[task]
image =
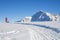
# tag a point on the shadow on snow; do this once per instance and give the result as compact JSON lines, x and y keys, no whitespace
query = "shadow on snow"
{"x":43,"y":26}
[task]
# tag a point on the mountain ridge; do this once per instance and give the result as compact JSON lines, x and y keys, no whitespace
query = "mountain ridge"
{"x":41,"y":16}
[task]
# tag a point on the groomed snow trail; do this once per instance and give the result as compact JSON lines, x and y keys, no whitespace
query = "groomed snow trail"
{"x":38,"y":33}
{"x":26,"y":31}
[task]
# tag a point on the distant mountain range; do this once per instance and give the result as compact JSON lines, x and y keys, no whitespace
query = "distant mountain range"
{"x":41,"y":16}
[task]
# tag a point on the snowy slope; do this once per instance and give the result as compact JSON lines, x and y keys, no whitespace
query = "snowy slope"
{"x":30,"y":31}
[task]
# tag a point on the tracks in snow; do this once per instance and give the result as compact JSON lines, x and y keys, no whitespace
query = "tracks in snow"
{"x":36,"y":34}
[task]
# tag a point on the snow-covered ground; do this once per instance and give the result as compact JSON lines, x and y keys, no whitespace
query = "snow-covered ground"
{"x":30,"y":31}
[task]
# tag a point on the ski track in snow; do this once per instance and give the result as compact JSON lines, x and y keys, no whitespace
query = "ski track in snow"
{"x":35,"y":35}
{"x":36,"y":31}
{"x":40,"y":34}
{"x":43,"y":26}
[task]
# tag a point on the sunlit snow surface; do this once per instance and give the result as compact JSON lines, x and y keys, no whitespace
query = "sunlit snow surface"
{"x":30,"y":31}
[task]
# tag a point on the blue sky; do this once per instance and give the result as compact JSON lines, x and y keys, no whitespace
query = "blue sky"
{"x":17,"y":9}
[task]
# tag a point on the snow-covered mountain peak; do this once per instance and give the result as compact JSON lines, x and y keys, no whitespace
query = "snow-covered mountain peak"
{"x":48,"y":13}
{"x":41,"y":16}
{"x":45,"y":16}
